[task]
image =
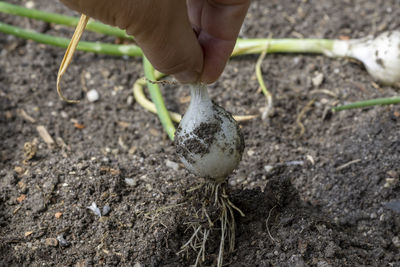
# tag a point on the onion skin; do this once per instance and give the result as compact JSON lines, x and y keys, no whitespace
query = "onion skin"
{"x":208,"y":140}
{"x":380,"y":55}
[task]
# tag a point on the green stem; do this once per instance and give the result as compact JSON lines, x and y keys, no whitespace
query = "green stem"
{"x":287,"y":45}
{"x":61,"y":19}
{"x":243,"y":46}
{"x":108,"y":49}
{"x":369,"y":103}
{"x":158,"y":100}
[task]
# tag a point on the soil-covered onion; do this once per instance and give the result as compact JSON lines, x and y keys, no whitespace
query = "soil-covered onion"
{"x":208,"y":139}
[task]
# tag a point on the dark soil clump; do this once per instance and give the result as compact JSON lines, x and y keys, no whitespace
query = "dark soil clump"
{"x":206,"y":132}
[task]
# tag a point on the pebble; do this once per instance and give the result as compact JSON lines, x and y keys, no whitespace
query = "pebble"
{"x":63,"y":114}
{"x":106,"y":210}
{"x":93,"y":95}
{"x":22,"y":187}
{"x":51,"y":242}
{"x":36,"y":203}
{"x":396,"y":241}
{"x":95,"y":209}
{"x":330,"y":250}
{"x":318,"y":79}
{"x":63,"y":242}
{"x":171,"y":164}
{"x":250,"y":152}
{"x":129,"y":100}
{"x":268,"y":168}
{"x":131,"y":181}
{"x":323,"y":264}
{"x":30,"y":4}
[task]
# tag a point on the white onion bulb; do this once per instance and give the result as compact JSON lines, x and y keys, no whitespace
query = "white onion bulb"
{"x":208,"y":139}
{"x":380,"y":55}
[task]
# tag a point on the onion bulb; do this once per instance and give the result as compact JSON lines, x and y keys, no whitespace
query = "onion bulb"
{"x":208,"y":139}
{"x":380,"y":55}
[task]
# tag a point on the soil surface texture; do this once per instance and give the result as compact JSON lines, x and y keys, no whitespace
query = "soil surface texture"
{"x":317,"y":188}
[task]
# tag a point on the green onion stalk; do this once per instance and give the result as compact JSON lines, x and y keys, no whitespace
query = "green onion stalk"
{"x":61,"y":19}
{"x":95,"y":47}
{"x":157,"y":99}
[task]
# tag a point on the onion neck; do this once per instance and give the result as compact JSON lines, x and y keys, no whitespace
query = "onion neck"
{"x":199,"y":94}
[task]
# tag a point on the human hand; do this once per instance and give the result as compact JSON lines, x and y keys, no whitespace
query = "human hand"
{"x":190,"y":39}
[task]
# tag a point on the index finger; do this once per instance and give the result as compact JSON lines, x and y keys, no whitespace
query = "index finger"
{"x":219,"y":22}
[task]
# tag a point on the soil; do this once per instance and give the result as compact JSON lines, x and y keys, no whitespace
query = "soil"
{"x":316,"y":197}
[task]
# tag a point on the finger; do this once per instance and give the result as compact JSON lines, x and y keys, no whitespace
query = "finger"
{"x":220,"y":22}
{"x":161,"y":28}
{"x":172,"y":46}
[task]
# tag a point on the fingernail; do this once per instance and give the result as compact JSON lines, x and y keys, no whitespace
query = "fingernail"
{"x":187,"y":76}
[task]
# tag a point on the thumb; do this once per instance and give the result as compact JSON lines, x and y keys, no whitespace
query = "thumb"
{"x":161,"y":28}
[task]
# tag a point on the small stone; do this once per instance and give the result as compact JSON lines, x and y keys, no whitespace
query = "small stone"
{"x":19,"y":170}
{"x":63,"y":242}
{"x":22,"y":187}
{"x":137,"y":264}
{"x":80,"y":264}
{"x":93,"y":95}
{"x":28,"y":233}
{"x":149,"y":187}
{"x":36,"y":203}
{"x":58,"y":215}
{"x":95,"y":209}
{"x":30,"y":4}
{"x":130,"y":181}
{"x":318,"y":79}
{"x":330,"y":250}
{"x":396,"y":241}
{"x":393,"y":173}
{"x":51,"y":242}
{"x":323,"y":264}
{"x":129,"y":100}
{"x":393,"y":205}
{"x":268,"y":168}
{"x":296,"y":261}
{"x":106,"y":210}
{"x":63,"y":114}
{"x":389,"y":182}
{"x":171,"y":164}
{"x":250,"y":152}
{"x":21,"y":198}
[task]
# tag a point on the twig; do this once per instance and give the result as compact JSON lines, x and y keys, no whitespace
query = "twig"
{"x":26,"y":116}
{"x":268,"y":108}
{"x":70,"y":53}
{"x":44,"y":134}
{"x":301,"y":115}
{"x":266,"y":223}
{"x":341,"y":167}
